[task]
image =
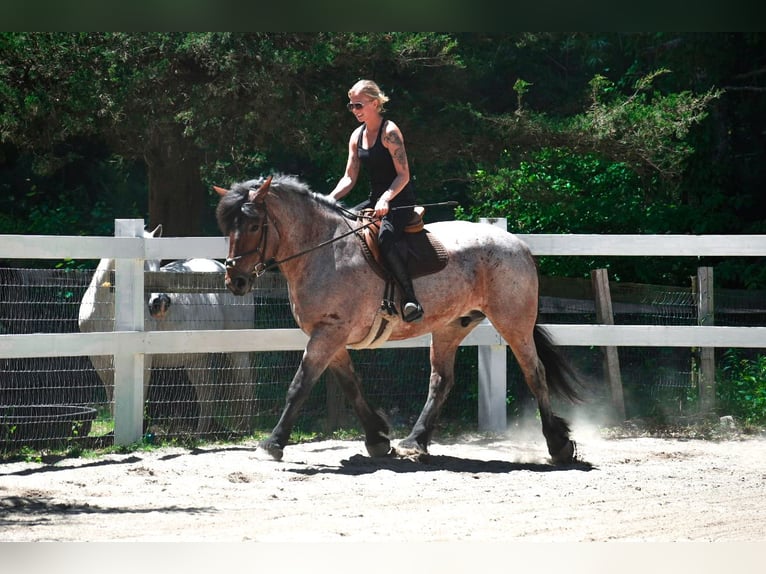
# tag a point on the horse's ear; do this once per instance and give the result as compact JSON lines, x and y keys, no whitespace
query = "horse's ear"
{"x":220,"y":191}
{"x":157,"y":231}
{"x":258,"y":195}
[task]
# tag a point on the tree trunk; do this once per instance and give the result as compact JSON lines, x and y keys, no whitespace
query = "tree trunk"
{"x":176,"y":195}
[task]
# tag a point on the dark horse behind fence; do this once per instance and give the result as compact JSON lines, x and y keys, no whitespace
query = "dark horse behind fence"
{"x":336,"y":300}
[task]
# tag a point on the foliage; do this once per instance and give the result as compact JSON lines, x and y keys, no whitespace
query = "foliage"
{"x":218,"y":106}
{"x":670,"y":117}
{"x":646,"y":128}
{"x":556,"y":190}
{"x":741,"y":387}
{"x":83,"y":199}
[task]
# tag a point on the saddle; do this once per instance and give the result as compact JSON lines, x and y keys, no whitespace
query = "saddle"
{"x":422,"y":253}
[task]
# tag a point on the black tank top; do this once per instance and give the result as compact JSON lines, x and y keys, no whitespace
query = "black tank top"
{"x":379,"y":164}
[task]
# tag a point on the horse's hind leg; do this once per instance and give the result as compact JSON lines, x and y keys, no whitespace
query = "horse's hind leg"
{"x":555,"y":429}
{"x":375,"y":426}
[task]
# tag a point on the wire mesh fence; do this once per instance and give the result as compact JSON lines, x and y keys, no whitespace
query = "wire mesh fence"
{"x":59,"y":401}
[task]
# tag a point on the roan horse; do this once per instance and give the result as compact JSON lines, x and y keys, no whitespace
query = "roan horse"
{"x":336,"y":294}
{"x":174,"y":312}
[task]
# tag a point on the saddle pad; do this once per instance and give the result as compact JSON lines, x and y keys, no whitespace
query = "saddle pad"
{"x":423,"y":253}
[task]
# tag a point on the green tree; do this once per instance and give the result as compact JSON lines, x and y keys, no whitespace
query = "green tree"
{"x":660,"y":108}
{"x":668,"y":118}
{"x":191,"y":105}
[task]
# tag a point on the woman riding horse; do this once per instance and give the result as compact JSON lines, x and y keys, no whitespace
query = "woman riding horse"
{"x":378,"y":145}
{"x":490,"y":273}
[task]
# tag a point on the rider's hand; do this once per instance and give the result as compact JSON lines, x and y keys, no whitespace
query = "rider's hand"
{"x":381,"y":207}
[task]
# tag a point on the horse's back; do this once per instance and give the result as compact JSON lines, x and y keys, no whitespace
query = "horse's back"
{"x":195,"y":265}
{"x":466,"y":237}
{"x":489,"y":270}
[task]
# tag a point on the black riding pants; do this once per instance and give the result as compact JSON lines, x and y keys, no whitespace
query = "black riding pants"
{"x":391,"y":226}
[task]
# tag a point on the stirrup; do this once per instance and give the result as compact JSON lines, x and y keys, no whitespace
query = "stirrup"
{"x":412,"y":312}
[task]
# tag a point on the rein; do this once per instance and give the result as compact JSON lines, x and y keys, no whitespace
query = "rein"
{"x":262,"y":266}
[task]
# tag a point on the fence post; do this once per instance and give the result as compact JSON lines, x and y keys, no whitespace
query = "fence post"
{"x":706,"y":317}
{"x":128,"y":316}
{"x":605,"y":316}
{"x":492,"y":372}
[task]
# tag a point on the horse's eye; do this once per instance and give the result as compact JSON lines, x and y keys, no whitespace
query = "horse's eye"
{"x":253,"y":227}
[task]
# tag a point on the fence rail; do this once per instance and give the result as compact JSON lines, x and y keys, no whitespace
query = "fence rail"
{"x":129,"y":343}
{"x":244,"y":340}
{"x":643,"y":245}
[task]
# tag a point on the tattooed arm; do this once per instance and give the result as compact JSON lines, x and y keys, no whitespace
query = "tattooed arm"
{"x":394,"y":143}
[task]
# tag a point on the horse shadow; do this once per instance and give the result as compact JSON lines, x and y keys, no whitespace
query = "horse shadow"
{"x":358,"y":464}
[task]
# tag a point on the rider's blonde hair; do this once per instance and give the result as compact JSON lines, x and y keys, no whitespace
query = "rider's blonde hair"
{"x":371,"y":90}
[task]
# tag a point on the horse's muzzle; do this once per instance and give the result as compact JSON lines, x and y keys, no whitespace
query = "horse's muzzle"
{"x":159,"y":303}
{"x":239,"y":284}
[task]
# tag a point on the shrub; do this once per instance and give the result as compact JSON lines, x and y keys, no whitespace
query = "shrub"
{"x":741,"y":387}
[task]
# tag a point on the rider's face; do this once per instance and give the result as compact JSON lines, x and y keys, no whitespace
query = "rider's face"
{"x":361,"y":105}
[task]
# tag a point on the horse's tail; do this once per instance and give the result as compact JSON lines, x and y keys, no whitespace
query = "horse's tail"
{"x":562,"y":378}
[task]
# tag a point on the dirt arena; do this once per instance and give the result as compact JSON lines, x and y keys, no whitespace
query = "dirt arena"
{"x":472,"y":489}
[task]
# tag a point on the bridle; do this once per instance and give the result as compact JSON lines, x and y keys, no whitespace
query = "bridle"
{"x":265,"y":264}
{"x":249,"y":209}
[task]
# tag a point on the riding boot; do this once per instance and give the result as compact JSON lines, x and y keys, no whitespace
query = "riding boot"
{"x":411,"y":309}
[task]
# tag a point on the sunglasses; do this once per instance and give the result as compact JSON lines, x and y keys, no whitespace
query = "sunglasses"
{"x":355,"y":105}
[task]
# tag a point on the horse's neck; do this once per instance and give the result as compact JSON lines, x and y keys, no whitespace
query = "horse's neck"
{"x":101,"y":288}
{"x":302,"y":228}
{"x":97,"y":306}
{"x":102,"y":271}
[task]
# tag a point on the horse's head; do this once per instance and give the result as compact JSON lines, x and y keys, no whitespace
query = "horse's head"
{"x":158,"y":303}
{"x":242,"y":215}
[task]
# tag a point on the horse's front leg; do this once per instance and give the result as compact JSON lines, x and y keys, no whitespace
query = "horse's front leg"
{"x":297,"y":393}
{"x":376,"y":428}
{"x":315,"y":360}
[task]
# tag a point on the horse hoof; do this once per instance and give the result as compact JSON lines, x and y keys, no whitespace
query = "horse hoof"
{"x":410,"y":449}
{"x":378,"y":449}
{"x":567,"y":455}
{"x":274,"y":450}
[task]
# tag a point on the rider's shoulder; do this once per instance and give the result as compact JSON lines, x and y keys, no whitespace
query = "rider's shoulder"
{"x":392,"y":133}
{"x":391,"y":126}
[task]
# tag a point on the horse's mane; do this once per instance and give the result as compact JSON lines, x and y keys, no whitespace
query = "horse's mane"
{"x":230,"y":206}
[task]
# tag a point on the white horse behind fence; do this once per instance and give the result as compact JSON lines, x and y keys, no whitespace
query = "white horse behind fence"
{"x":175,"y":312}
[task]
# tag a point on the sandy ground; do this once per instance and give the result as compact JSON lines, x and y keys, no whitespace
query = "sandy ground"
{"x":472,"y":489}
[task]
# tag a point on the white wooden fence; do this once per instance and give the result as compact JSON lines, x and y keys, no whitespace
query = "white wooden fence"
{"x":129,"y":343}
